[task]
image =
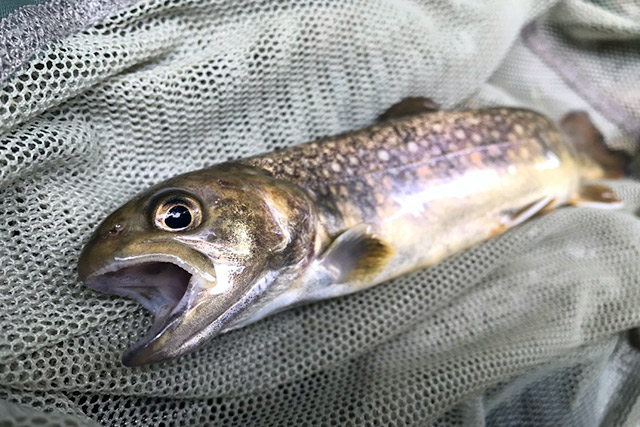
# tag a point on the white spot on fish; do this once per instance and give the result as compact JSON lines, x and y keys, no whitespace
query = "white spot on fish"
{"x":413,"y":147}
{"x":518,"y":129}
{"x":459,"y":133}
{"x":335,"y":167}
{"x":353,"y":160}
{"x":383,"y":155}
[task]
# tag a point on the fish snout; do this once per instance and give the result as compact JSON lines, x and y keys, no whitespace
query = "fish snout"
{"x":87,"y":263}
{"x":106,"y":239}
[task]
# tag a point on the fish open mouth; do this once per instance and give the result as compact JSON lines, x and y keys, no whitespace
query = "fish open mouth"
{"x":164,"y":285}
{"x":157,"y":286}
{"x":189,"y":305}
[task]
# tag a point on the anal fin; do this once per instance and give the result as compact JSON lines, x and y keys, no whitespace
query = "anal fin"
{"x":596,"y":196}
{"x":513,"y":218}
{"x":409,"y":106}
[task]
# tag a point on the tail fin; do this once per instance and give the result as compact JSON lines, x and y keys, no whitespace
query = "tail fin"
{"x":588,"y":140}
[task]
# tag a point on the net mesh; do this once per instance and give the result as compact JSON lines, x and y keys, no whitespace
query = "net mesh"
{"x":525,"y":329}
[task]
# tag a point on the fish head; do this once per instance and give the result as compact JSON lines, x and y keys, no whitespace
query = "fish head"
{"x":197,"y":250}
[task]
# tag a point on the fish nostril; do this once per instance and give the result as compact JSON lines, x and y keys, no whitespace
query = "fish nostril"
{"x":116,"y":229}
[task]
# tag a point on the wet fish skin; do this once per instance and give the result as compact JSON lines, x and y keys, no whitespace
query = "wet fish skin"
{"x":434,"y":184}
{"x":327,"y":218}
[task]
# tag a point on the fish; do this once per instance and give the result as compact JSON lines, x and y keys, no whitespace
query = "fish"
{"x":217,"y":249}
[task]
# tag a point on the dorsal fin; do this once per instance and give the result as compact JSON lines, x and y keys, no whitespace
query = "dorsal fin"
{"x":408,"y":107}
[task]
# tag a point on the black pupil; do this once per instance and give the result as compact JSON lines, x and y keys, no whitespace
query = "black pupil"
{"x":178,"y":217}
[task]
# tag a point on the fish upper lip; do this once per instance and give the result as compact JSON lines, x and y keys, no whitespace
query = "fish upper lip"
{"x":118,"y":263}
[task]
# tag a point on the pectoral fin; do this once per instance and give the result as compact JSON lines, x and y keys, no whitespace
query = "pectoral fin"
{"x":409,"y":106}
{"x":356,"y":256}
{"x":596,"y":196}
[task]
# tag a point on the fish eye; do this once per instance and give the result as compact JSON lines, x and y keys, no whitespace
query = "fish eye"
{"x":178,"y":217}
{"x":178,"y":214}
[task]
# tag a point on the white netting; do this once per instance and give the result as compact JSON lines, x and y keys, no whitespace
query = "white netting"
{"x":524,"y":329}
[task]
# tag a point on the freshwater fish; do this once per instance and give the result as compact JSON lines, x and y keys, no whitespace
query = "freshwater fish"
{"x":220,"y":248}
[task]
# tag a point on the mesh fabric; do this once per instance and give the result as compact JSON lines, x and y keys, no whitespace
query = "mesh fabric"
{"x":526,"y":329}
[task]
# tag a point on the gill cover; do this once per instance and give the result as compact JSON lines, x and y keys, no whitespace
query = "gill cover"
{"x":197,"y":249}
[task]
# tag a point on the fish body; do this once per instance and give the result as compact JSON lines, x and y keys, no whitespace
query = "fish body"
{"x":432,"y":184}
{"x":220,"y":248}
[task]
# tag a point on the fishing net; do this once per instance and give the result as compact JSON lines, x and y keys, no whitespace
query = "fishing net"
{"x":100,"y":99}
